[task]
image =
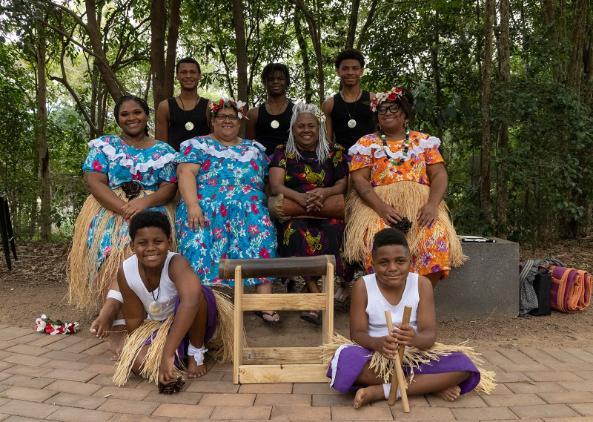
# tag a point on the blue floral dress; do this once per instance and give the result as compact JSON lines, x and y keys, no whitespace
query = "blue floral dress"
{"x":123,"y":163}
{"x":231,"y":195}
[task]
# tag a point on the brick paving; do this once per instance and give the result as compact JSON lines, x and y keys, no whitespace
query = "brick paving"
{"x":69,"y":379}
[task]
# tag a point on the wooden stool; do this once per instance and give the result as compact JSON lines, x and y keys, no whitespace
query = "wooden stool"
{"x":280,"y":364}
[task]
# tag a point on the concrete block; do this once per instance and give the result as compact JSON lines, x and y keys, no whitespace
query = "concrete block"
{"x":486,"y":286}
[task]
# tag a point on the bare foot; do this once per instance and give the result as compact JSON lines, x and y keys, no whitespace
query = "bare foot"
{"x":194,"y":370}
{"x":368,"y":395}
{"x":449,"y":394}
{"x":116,"y":341}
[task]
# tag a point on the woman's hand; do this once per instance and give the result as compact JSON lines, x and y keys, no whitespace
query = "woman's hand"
{"x":404,"y":334}
{"x":167,"y":372}
{"x":427,"y":214}
{"x":195,"y":216}
{"x":302,"y":199}
{"x":389,"y":214}
{"x":315,"y":198}
{"x":135,"y":206}
{"x":388,"y":346}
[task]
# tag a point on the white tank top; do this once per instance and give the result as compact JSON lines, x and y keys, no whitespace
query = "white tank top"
{"x":166,"y":294}
{"x":377,"y":305}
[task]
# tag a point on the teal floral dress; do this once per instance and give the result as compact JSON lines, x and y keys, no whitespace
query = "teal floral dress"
{"x":230,"y":189}
{"x":122,"y":164}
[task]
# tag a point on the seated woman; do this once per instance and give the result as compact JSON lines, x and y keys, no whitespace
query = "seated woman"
{"x":160,"y":286}
{"x":124,"y":175}
{"x":222,"y":213}
{"x":366,"y":367}
{"x":308,"y":171}
{"x":399,"y":180}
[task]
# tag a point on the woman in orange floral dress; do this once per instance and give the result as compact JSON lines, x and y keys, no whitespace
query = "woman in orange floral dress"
{"x":399,"y":174}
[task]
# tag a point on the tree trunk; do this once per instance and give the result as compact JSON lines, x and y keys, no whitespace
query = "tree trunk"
{"x":92,"y":28}
{"x":241,"y":49}
{"x":315,"y":33}
{"x":436,"y":71}
{"x":172,"y":37}
{"x":352,"y":23}
{"x":577,"y":41}
{"x":42,"y":148}
{"x":362,"y":37}
{"x":158,"y":17}
{"x":485,"y":201}
{"x":504,"y":77}
{"x":305,"y":57}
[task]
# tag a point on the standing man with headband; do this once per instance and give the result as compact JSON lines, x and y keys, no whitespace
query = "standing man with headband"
{"x":269,"y":124}
{"x":348,"y":113}
{"x":186,"y":115}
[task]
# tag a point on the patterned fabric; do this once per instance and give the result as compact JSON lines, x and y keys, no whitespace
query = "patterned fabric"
{"x":231,"y":194}
{"x":422,"y":151}
{"x":311,"y":236}
{"x":123,"y":163}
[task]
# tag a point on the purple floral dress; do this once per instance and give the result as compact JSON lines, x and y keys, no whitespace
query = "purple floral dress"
{"x":311,"y":236}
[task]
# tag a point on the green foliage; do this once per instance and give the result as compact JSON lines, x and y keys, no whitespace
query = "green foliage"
{"x":434,"y":47}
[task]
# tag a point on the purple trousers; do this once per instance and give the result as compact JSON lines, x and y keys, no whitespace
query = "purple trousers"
{"x":349,"y":361}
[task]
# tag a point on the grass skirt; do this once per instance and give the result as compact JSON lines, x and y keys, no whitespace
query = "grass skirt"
{"x":154,"y":334}
{"x":93,"y":265}
{"x":417,"y":360}
{"x":362,"y":222}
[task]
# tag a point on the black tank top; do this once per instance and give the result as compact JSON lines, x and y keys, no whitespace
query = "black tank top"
{"x":268,"y":136}
{"x":178,"y":118}
{"x":359,"y":111}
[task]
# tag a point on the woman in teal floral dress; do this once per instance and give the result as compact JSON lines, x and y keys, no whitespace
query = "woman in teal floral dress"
{"x":222,"y":213}
{"x":124,"y":175}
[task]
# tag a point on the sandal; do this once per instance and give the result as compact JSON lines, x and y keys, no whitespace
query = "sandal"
{"x":313,"y":317}
{"x":342,"y":295}
{"x":269,"y":317}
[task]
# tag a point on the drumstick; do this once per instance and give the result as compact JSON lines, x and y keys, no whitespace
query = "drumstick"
{"x":397,"y":378}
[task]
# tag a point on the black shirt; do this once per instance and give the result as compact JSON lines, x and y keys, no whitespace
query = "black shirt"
{"x":268,"y":136}
{"x":178,"y":118}
{"x":359,"y":111}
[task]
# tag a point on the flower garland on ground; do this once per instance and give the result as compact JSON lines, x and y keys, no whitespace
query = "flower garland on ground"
{"x":44,"y":324}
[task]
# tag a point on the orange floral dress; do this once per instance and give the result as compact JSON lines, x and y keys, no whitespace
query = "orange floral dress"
{"x":389,"y":164}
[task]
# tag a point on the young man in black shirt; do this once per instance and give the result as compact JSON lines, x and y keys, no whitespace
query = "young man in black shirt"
{"x":186,"y":115}
{"x":269,"y":123}
{"x":348,"y":113}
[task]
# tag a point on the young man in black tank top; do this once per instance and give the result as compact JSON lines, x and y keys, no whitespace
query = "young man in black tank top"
{"x":348,"y":113}
{"x":269,"y":123}
{"x":185,"y":116}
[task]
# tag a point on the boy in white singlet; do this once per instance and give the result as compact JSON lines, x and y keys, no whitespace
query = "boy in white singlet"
{"x":392,"y":287}
{"x":156,"y":283}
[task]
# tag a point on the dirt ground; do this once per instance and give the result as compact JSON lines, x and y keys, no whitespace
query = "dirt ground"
{"x":37,"y":285}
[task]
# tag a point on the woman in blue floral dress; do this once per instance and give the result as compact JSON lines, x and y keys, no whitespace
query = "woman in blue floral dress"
{"x":124,"y":175}
{"x":222,"y":213}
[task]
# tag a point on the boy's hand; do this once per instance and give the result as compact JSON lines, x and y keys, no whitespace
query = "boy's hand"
{"x":388,"y":346}
{"x":167,"y":372}
{"x":404,"y":334}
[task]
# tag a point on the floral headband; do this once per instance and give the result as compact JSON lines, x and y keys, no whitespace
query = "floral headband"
{"x":396,"y":92}
{"x":215,"y":107}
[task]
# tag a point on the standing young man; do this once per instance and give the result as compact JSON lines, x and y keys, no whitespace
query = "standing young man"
{"x":348,"y":113}
{"x":269,"y":124}
{"x":186,"y":115}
